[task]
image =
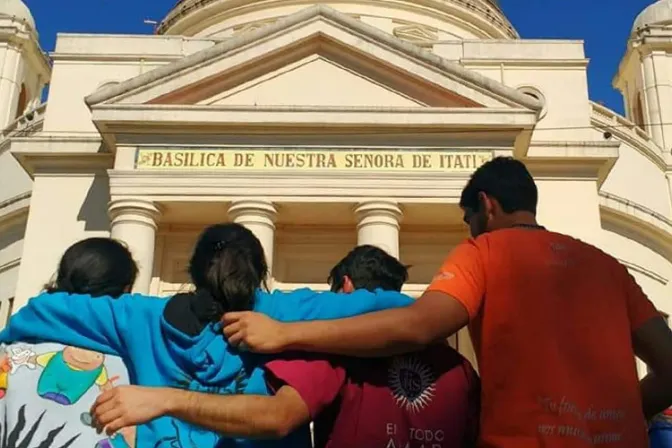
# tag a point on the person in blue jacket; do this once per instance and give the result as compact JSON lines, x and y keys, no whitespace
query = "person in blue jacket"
{"x":179,"y":342}
{"x":51,"y":387}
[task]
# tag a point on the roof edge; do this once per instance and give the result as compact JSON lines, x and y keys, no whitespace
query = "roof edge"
{"x":449,"y":67}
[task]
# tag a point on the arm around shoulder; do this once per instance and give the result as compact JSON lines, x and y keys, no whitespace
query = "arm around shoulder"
{"x":95,"y":323}
{"x":310,"y":305}
{"x":432,"y":317}
{"x":452,"y":299}
{"x":252,"y":416}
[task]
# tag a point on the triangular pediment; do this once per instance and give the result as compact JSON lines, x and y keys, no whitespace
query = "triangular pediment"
{"x":317,"y":80}
{"x":315,"y":57}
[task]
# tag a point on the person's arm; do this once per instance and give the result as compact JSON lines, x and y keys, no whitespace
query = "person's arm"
{"x":97,"y":324}
{"x":302,"y":388}
{"x":311,"y":305}
{"x":652,"y":343}
{"x":253,"y":416}
{"x":250,"y":416}
{"x":432,"y":317}
{"x":454,"y":296}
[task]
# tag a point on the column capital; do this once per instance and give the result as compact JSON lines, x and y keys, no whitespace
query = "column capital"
{"x":136,"y":210}
{"x":260,"y":211}
{"x":379,"y":211}
{"x":257,"y":215}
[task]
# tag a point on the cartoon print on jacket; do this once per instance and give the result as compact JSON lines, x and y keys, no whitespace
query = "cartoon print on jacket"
{"x":65,"y":376}
{"x":68,"y":374}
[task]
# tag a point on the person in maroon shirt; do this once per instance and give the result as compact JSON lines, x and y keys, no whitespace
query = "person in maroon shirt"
{"x":428,"y":399}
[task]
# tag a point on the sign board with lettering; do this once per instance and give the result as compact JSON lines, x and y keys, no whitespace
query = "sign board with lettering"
{"x":191,"y":159}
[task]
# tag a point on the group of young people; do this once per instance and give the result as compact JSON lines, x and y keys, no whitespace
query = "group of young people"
{"x":555,"y":322}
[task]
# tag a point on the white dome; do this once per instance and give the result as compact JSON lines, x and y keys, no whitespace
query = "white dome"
{"x":659,"y":13}
{"x":17,"y":9}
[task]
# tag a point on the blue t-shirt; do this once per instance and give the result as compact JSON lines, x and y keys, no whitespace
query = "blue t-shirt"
{"x":156,"y":354}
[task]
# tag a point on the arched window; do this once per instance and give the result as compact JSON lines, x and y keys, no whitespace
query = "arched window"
{"x":22,"y":103}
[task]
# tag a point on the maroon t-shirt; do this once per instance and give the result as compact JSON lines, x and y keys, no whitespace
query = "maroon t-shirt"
{"x":428,"y":399}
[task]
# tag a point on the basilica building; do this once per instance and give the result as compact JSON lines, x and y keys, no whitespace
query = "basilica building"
{"x":322,"y":125}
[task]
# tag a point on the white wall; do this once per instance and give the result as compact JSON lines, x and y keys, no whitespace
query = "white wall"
{"x":11,"y":247}
{"x":13,"y":178}
{"x":83,"y":63}
{"x":638,"y":179}
{"x":64,"y":209}
{"x":570,"y":207}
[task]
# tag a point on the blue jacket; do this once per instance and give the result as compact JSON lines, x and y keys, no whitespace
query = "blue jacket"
{"x":157,"y":354}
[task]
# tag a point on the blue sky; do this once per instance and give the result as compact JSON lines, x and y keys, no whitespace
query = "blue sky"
{"x":604,"y":25}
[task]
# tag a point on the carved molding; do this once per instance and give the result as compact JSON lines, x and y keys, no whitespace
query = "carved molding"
{"x":416,"y":33}
{"x":253,"y":26}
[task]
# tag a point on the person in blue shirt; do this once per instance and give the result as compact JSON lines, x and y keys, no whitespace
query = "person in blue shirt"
{"x":51,"y":387}
{"x":178,"y":342}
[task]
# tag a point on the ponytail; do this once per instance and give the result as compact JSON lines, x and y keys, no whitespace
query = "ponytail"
{"x":228,"y":264}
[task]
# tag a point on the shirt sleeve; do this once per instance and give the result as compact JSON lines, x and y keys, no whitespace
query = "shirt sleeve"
{"x":317,"y":381}
{"x":640,"y":308}
{"x":462,"y":276}
{"x":311,"y":305}
{"x":97,"y":324}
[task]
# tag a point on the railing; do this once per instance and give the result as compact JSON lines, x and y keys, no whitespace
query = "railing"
{"x":636,"y":210}
{"x":625,"y":130}
{"x":26,"y":125}
{"x":15,"y":199}
{"x":492,"y":12}
{"x":488,"y":8}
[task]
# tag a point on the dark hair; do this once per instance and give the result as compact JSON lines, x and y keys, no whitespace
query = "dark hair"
{"x":505,"y":179}
{"x":228,"y":263}
{"x":95,"y":266}
{"x":369,"y":267}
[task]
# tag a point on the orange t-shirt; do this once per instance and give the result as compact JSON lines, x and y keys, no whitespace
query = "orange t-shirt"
{"x":551,"y":322}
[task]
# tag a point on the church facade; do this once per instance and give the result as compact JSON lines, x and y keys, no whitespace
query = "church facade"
{"x":322,"y":125}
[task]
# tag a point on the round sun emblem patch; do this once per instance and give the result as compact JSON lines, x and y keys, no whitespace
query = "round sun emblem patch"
{"x":411,"y":382}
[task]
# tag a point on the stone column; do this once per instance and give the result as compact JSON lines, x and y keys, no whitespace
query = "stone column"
{"x":258,"y":216}
{"x":10,"y":82}
{"x":652,"y":101}
{"x":134,"y":221}
{"x":378,"y":224}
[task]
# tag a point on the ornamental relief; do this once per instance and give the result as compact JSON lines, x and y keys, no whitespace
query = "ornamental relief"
{"x":252,"y":26}
{"x":416,"y":33}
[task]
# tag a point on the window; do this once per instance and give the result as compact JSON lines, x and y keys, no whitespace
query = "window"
{"x":6,"y":309}
{"x":637,"y":112}
{"x":22,"y":103}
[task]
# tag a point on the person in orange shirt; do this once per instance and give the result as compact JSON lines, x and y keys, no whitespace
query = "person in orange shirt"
{"x":555,"y":322}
